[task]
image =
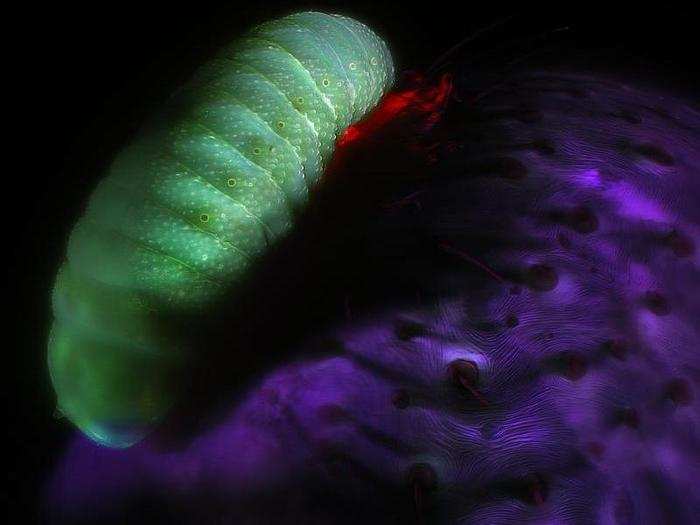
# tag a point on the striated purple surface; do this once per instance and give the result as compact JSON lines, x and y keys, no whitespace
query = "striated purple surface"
{"x":546,"y":371}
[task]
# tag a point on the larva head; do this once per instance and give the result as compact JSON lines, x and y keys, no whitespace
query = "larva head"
{"x":350,"y":65}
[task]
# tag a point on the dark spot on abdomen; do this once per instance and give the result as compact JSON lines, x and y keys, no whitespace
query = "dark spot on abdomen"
{"x":656,"y":303}
{"x":563,"y":241}
{"x":400,"y":399}
{"x":682,"y":245}
{"x":583,"y":220}
{"x":678,"y":391}
{"x":655,"y":154}
{"x":616,"y":348}
{"x":406,"y":330}
{"x":541,"y":277}
{"x":628,"y":417}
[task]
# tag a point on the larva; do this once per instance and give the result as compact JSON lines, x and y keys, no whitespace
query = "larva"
{"x":186,"y":209}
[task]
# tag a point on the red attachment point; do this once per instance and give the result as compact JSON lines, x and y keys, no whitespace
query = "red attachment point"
{"x":429,"y":100}
{"x":351,"y":134}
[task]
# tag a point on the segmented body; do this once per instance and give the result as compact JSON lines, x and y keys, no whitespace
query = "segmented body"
{"x":188,"y":207}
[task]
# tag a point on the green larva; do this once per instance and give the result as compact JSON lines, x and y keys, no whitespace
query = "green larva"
{"x":193,"y":202}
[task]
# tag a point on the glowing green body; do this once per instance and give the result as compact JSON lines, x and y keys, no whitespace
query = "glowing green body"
{"x":189,"y":206}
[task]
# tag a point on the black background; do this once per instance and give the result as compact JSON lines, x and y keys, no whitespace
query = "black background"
{"x":85,"y":76}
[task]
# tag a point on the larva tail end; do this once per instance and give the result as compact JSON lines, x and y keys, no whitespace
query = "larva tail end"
{"x":114,"y":397}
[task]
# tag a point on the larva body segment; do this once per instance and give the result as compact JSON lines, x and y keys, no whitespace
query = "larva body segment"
{"x":192,"y":202}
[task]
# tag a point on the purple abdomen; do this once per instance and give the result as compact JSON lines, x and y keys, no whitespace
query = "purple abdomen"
{"x":538,"y":363}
